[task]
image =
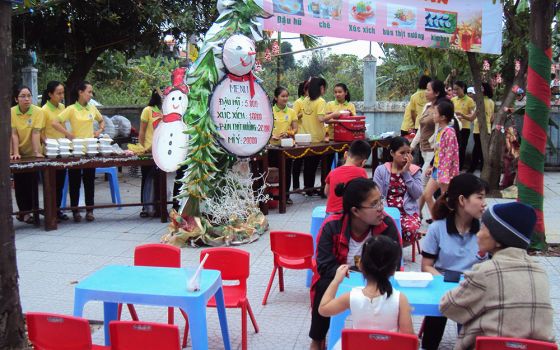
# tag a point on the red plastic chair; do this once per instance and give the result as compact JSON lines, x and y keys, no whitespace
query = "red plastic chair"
{"x":54,"y":332}
{"x":500,"y":343}
{"x":234,"y":266}
{"x":158,"y":255}
{"x":380,"y":340}
{"x":132,"y":335}
{"x":292,"y":250}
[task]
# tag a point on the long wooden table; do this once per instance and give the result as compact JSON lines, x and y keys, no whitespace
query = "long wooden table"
{"x":322,"y":149}
{"x":48,"y":168}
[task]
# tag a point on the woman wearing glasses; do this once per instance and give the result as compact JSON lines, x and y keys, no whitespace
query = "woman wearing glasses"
{"x":27,"y":122}
{"x":341,"y":240}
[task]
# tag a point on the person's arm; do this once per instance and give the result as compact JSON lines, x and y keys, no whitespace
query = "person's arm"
{"x":327,"y":188}
{"x":58,"y":127}
{"x":471,"y":114}
{"x":466,"y":302}
{"x":326,"y":260}
{"x":36,"y":143}
{"x":352,"y":108}
{"x":321,"y":111}
{"x":15,"y":145}
{"x":142,"y":133}
{"x":430,"y":251}
{"x":448,"y":150}
{"x":378,"y":177}
{"x":329,"y":305}
{"x":101,"y":128}
{"x":413,"y":183}
{"x":428,"y":266}
{"x":405,"y":317}
{"x":416,"y":139}
{"x":294,"y":127}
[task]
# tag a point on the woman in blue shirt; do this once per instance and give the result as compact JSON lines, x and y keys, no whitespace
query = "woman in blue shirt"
{"x":450,"y":244}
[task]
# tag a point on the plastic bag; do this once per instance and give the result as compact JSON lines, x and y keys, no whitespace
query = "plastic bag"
{"x":122,"y":125}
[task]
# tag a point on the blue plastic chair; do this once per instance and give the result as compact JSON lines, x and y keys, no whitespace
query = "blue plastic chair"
{"x":113,"y":184}
{"x":318,"y":216}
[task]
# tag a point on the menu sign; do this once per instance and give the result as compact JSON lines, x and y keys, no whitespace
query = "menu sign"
{"x":474,"y":25}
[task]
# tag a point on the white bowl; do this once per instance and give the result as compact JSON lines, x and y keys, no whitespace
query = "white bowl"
{"x":413,"y":279}
{"x":51,"y":142}
{"x":64,"y":142}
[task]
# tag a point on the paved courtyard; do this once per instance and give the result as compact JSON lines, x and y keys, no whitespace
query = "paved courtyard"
{"x":51,"y":263}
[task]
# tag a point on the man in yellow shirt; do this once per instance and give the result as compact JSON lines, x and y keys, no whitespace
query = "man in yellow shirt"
{"x":413,"y":111}
{"x":465,"y":113}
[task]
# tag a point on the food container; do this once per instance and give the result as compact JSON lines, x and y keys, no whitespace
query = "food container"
{"x":78,"y":154}
{"x":303,"y":139}
{"x":51,"y":143}
{"x":51,"y":149}
{"x":105,"y":141}
{"x":106,"y":152}
{"x":51,"y":155}
{"x":413,"y":279}
{"x":344,"y":114}
{"x":289,"y":142}
{"x":65,"y":154}
{"x":64,"y":148}
{"x":78,"y":142}
{"x":92,"y":153}
{"x":79,"y":148}
{"x":64,"y":142}
{"x":91,"y":141}
{"x":94,"y":147}
{"x":350,"y":128}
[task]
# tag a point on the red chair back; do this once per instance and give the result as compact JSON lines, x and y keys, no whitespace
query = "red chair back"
{"x":380,"y":340}
{"x":292,"y":245}
{"x":499,"y":343}
{"x":58,"y":332}
{"x":233,"y":263}
{"x":133,"y":335}
{"x":160,"y":255}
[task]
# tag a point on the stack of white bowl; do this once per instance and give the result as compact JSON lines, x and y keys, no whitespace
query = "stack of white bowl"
{"x":64,"y":146}
{"x":78,"y":147}
{"x":51,"y":148}
{"x":92,"y":147}
{"x":105,"y":146}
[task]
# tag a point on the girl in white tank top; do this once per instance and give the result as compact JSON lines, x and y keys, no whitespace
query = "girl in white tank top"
{"x":377,"y":306}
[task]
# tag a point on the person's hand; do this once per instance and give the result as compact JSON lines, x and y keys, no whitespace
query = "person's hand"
{"x":39,"y":155}
{"x":459,"y":115}
{"x":406,"y":167}
{"x":429,"y":171}
{"x":70,"y":136}
{"x":97,"y":133}
{"x":341,"y":273}
{"x":15,"y":157}
{"x":276,"y":138}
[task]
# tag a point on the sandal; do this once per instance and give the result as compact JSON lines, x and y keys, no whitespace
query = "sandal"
{"x":289,"y":201}
{"x":144,"y":214}
{"x":20,"y":217}
{"x":77,"y":216}
{"x":61,"y":216}
{"x":29,"y":219}
{"x":89,"y":216}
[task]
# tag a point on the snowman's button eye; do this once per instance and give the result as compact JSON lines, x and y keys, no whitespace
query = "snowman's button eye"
{"x":170,"y":143}
{"x":171,"y":135}
{"x":180,"y":98}
{"x":239,"y":48}
{"x":169,"y":152}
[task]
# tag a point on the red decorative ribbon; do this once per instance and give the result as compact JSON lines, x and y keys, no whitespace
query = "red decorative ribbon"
{"x":168,"y":118}
{"x":183,"y":88}
{"x":247,"y":77}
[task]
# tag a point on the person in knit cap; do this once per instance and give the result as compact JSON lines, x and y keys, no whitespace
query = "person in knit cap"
{"x":507,"y":296}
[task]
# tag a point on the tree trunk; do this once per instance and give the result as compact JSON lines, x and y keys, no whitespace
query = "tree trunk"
{"x":479,"y":99}
{"x":84,"y":62}
{"x":493,"y":163}
{"x":12,"y":329}
{"x":535,"y":121}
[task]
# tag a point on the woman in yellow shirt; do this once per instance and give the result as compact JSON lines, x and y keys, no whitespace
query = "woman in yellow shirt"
{"x":52,"y":107}
{"x":285,"y":126}
{"x":477,"y":155}
{"x":465,"y":112}
{"x":27,"y":121}
{"x":150,"y":114}
{"x":298,"y":109}
{"x":313,"y":121}
{"x":81,"y":116}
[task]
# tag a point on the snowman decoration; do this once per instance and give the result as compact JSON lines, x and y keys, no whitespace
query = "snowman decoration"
{"x":239,"y":106}
{"x":170,"y":141}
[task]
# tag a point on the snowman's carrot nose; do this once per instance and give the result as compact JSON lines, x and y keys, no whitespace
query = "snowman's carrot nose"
{"x":251,"y":53}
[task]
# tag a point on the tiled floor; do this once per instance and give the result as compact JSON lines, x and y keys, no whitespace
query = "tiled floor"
{"x":50,"y":263}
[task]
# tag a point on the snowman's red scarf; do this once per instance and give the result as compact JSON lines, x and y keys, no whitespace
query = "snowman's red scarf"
{"x":168,"y":118}
{"x":247,"y":77}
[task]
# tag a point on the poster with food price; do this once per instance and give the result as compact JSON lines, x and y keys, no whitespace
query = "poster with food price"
{"x":473,"y":25}
{"x":244,"y":123}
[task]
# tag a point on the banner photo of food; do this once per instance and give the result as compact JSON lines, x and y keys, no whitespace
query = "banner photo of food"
{"x":474,"y":25}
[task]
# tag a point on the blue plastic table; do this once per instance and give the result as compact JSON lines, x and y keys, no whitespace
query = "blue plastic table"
{"x":423,"y":301}
{"x":160,"y":286}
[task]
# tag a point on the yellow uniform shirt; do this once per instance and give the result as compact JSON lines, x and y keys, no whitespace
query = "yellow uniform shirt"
{"x":464,"y":105}
{"x":51,"y":113}
{"x":334,"y":106}
{"x":25,"y":124}
{"x":416,"y":105}
{"x":149,"y":115}
{"x":81,"y":119}
{"x":489,"y":110}
{"x":283,"y":119}
{"x":298,"y":108}
{"x":310,"y":120}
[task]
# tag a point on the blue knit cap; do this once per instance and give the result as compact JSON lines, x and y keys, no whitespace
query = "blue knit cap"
{"x":511,"y":224}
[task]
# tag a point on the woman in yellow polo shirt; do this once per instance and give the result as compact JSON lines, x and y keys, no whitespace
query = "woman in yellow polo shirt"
{"x":285,"y":126}
{"x":477,"y":160}
{"x":81,"y":116}
{"x":298,"y":109}
{"x":27,"y":121}
{"x":150,"y":114}
{"x":52,"y":107}
{"x":313,"y":121}
{"x":465,"y":112}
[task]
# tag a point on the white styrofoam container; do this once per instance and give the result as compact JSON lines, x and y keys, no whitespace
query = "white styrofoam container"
{"x":51,"y":142}
{"x":51,"y":149}
{"x":289,"y":142}
{"x":64,"y":141}
{"x":413,"y":279}
{"x":303,"y":138}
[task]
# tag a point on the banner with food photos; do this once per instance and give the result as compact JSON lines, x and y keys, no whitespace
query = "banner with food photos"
{"x":467,"y":25}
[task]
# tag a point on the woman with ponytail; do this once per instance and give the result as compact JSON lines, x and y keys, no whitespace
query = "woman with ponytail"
{"x":451,"y":243}
{"x":341,"y":241}
{"x":376,"y":306}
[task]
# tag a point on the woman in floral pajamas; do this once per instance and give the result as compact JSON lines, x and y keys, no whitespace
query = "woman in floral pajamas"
{"x":445,"y":164}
